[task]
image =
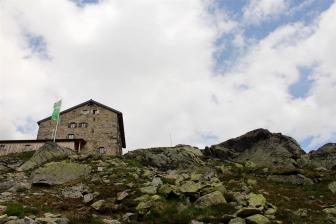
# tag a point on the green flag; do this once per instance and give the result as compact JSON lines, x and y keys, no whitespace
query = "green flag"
{"x":57,"y":109}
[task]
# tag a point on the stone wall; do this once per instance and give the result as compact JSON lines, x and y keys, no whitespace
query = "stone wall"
{"x":8,"y":148}
{"x":101,"y":134}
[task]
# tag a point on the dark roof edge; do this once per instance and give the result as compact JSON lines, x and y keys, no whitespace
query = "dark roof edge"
{"x":42,"y":140}
{"x":82,"y":104}
{"x":122,"y":131}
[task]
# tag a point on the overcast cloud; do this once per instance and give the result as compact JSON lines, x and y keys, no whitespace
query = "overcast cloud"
{"x":199,"y":71}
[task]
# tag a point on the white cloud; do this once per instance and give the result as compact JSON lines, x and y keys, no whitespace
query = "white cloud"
{"x":153,"y":61}
{"x":257,"y":11}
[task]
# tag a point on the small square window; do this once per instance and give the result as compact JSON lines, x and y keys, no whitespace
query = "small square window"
{"x":71,"y":136}
{"x":83,"y":125}
{"x":95,"y":111}
{"x":2,"y":147}
{"x":72,"y":125}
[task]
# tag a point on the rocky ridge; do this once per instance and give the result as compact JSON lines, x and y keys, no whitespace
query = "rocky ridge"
{"x":260,"y":177}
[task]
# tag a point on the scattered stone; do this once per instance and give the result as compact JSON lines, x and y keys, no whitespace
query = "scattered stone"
{"x":98,"y":205}
{"x":111,"y":221}
{"x":214,"y":198}
{"x":122,"y":195}
{"x":330,"y":211}
{"x":245,"y":212}
{"x":257,"y":219}
{"x":190,"y":187}
{"x":237,"y":221}
{"x":148,"y":190}
{"x":332,"y":187}
{"x":88,"y":198}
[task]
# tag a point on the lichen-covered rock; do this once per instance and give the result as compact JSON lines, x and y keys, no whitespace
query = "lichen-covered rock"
{"x":48,"y":152}
{"x":189,"y":187}
{"x":257,"y":219}
{"x":166,"y":158}
{"x":214,"y":198}
{"x":59,"y":173}
{"x":256,"y":200}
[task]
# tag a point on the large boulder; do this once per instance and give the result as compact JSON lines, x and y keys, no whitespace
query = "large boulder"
{"x":325,"y":156}
{"x":211,"y":199}
{"x":59,"y":173}
{"x":164,"y":158}
{"x":48,"y":152}
{"x":263,"y":148}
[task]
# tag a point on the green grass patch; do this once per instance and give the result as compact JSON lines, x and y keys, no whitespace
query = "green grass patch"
{"x":16,"y":209}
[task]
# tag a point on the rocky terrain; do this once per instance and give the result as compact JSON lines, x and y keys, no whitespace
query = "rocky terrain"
{"x":258,"y":178}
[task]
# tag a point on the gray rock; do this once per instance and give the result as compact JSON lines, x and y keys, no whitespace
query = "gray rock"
{"x":296,"y":179}
{"x":59,"y":173}
{"x":263,"y":148}
{"x":48,"y":152}
{"x":257,"y":219}
{"x":168,"y":158}
{"x":98,"y":205}
{"x":214,"y":198}
{"x":245,"y":212}
{"x":148,"y":190}
{"x":332,"y":187}
{"x":88,"y":198}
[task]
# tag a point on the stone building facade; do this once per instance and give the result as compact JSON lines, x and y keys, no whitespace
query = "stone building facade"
{"x":100,"y":126}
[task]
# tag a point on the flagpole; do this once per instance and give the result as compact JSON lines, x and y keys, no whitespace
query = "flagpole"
{"x":59,"y":117}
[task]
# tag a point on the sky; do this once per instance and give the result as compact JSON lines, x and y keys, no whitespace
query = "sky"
{"x":196,"y":72}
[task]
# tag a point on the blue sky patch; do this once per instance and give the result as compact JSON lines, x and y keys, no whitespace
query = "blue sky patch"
{"x":37,"y":45}
{"x":83,"y":3}
{"x":298,"y":11}
{"x":301,"y":88}
{"x":28,"y":127}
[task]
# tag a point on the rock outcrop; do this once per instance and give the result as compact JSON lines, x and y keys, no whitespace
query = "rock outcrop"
{"x":48,"y":152}
{"x":325,"y":156}
{"x":180,"y":156}
{"x":263,"y":148}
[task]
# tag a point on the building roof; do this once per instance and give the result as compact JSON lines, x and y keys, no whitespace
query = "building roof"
{"x":43,"y":140}
{"x":91,"y":101}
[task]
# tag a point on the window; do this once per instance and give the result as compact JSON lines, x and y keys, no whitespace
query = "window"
{"x":83,"y":125}
{"x":95,"y":111}
{"x":71,"y":136}
{"x":85,"y":111}
{"x":72,"y":125}
{"x":101,"y":150}
{"x":2,"y":147}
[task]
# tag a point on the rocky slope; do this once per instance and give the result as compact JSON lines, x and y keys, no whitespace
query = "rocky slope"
{"x":233,"y":182}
